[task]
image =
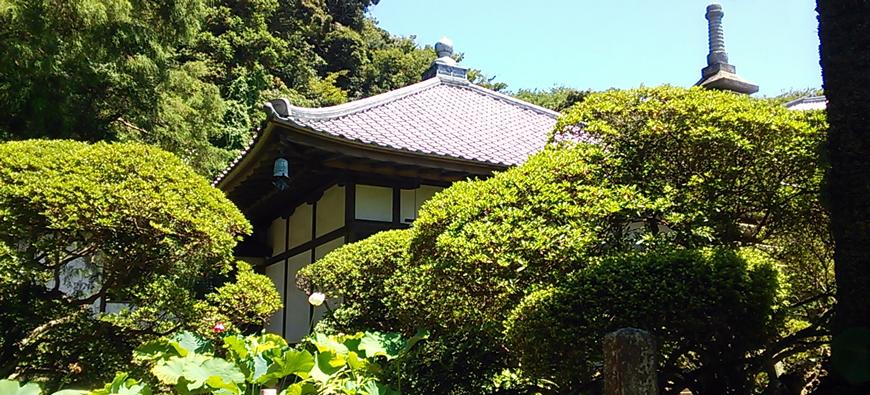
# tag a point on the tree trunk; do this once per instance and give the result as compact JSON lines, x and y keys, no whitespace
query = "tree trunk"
{"x":844,"y":33}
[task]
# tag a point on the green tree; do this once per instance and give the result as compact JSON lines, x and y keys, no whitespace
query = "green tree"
{"x":672,"y":172}
{"x":845,"y":60}
{"x":84,"y":225}
{"x":557,"y":98}
{"x":80,"y":66}
{"x":188,"y":76}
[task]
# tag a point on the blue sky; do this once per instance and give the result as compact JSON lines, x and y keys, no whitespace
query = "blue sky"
{"x":616,"y":43}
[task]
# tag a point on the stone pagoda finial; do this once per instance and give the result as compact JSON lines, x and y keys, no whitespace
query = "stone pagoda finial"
{"x":716,"y":35}
{"x":719,"y":74}
{"x":444,"y":65}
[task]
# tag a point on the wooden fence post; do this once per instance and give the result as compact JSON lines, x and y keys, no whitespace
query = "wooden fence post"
{"x":630,"y":363}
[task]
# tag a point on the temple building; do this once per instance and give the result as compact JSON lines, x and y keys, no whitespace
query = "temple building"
{"x":315,"y":179}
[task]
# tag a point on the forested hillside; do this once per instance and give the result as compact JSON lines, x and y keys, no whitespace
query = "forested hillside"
{"x":187,"y":75}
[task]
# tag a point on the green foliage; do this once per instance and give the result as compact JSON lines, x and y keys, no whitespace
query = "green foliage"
{"x":794,"y":94}
{"x":122,"y":384}
{"x":478,"y":78}
{"x":80,"y":66}
{"x":558,"y":98}
{"x":749,"y":173}
{"x":188,"y":75}
{"x":339,"y":364}
{"x":83,"y":224}
{"x":357,"y":274}
{"x":675,"y":295}
{"x":250,"y":301}
{"x":184,"y":121}
{"x":677,"y":182}
{"x":528,"y":225}
{"x":187,"y":363}
{"x":739,"y":158}
{"x":12,"y":387}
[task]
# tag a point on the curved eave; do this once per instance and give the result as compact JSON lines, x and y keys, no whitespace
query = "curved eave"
{"x":316,"y":138}
{"x":234,"y":169}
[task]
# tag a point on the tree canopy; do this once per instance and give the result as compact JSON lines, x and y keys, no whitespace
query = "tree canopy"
{"x":188,"y":76}
{"x":86,"y":225}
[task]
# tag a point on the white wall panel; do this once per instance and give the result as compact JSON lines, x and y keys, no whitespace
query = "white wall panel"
{"x":319,"y":252}
{"x":275,"y":272}
{"x":330,"y":210}
{"x":300,"y":225}
{"x":424,"y":193}
{"x":374,"y":203}
{"x":412,"y":199}
{"x":408,"y":206}
{"x":297,"y":300}
{"x":277,"y":235}
{"x":327,"y":247}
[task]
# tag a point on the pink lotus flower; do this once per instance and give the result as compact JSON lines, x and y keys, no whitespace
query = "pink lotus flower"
{"x":219,"y":327}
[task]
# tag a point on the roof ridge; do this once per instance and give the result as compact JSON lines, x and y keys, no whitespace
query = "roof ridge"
{"x":368,"y":103}
{"x":360,"y":105}
{"x":515,"y":101}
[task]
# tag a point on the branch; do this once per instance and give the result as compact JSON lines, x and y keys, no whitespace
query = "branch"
{"x":811,"y":300}
{"x":131,"y":125}
{"x":39,"y":330}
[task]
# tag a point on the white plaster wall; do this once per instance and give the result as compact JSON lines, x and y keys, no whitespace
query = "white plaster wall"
{"x":300,"y":225}
{"x":77,"y":278}
{"x":374,"y":203}
{"x":330,"y":210}
{"x":412,"y":199}
{"x":408,"y":205}
{"x":277,"y":235}
{"x":320,"y":252}
{"x":424,"y":193}
{"x":297,"y":300}
{"x":327,"y":247}
{"x":275,"y":272}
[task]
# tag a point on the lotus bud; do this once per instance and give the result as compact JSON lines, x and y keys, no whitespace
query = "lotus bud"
{"x":316,"y":299}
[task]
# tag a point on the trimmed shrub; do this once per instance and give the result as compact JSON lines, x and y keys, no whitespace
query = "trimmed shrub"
{"x":705,"y":308}
{"x":83,"y":224}
{"x":357,"y":273}
{"x":719,"y":159}
{"x":249,"y":301}
{"x":655,"y":174}
{"x":478,"y":245}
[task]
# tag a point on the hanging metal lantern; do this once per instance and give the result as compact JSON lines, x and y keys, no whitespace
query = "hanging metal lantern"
{"x":281,"y":174}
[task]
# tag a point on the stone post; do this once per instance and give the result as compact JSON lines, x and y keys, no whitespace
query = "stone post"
{"x":630,"y":363}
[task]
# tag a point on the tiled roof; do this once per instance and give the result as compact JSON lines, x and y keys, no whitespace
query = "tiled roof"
{"x":808,"y":103}
{"x":441,"y":116}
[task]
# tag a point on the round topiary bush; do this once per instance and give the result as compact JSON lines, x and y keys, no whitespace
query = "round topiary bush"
{"x":708,"y":307}
{"x":357,"y":273}
{"x":84,"y":225}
